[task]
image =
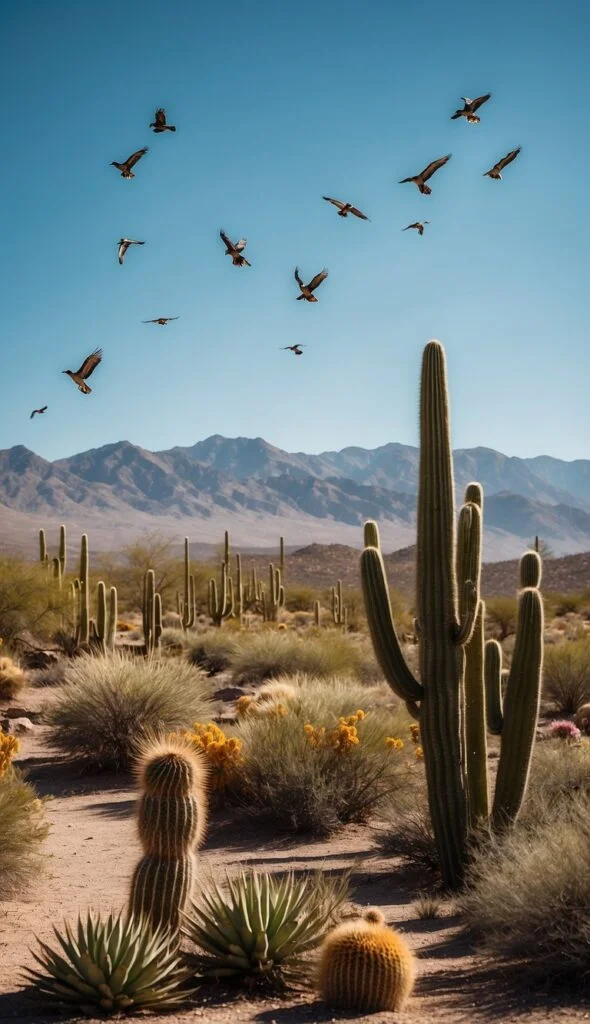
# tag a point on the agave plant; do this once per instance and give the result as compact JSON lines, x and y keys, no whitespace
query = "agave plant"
{"x":260,"y":927}
{"x":118,"y":964}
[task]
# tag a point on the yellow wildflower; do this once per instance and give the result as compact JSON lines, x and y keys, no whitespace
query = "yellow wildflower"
{"x":394,"y":743}
{"x":419,"y":753}
{"x":415,"y":732}
{"x":9,"y":746}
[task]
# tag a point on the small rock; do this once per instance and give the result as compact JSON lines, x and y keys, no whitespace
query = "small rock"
{"x":17,"y":726}
{"x":229,"y":693}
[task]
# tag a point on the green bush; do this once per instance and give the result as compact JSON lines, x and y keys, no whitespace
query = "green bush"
{"x":22,"y":832}
{"x":213,"y":651}
{"x":566,"y":675}
{"x":29,"y":599}
{"x":564,"y":604}
{"x":560,"y":776}
{"x":308,"y":772}
{"x":110,"y":703}
{"x":528,"y":897}
{"x":267,"y":655}
{"x":501,"y":616}
{"x":299,"y":598}
{"x":12,"y":678}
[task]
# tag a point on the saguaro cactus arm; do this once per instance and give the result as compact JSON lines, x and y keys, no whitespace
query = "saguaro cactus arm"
{"x":381,"y":625}
{"x":493,"y":687}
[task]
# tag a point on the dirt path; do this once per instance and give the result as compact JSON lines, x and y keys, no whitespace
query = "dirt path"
{"x":91,"y":853}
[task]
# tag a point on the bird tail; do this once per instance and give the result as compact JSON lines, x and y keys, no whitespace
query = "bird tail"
{"x":455,"y":116}
{"x":425,"y":190}
{"x":172,"y":128}
{"x":403,"y":181}
{"x":299,"y":297}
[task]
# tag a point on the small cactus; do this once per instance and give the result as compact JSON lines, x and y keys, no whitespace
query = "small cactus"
{"x":366,"y":966}
{"x":152,"y":613}
{"x":171,"y":817}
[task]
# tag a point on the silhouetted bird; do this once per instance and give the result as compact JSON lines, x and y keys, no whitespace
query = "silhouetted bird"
{"x":307,"y":289}
{"x":160,"y":320}
{"x":419,"y":225}
{"x":470,"y":107}
{"x":297,"y":349}
{"x":159,"y":125}
{"x":37,"y":410}
{"x":494,"y":171}
{"x":124,"y":244}
{"x":235,"y":250}
{"x":125,"y":168}
{"x":88,"y":367}
{"x":420,"y":179}
{"x":345,"y":208}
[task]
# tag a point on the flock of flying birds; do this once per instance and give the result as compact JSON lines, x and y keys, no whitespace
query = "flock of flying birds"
{"x":236,"y":249}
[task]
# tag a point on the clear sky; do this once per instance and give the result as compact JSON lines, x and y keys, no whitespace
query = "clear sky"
{"x":277,"y":104}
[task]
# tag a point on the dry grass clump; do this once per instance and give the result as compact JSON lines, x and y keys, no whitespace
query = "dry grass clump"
{"x":21,"y":835}
{"x":428,"y":906}
{"x":332,"y":756}
{"x":53,"y":675}
{"x":409,"y":836}
{"x":267,"y":655}
{"x":12,"y":678}
{"x":29,"y":599}
{"x":214,"y":651}
{"x":560,"y":776}
{"x":111,"y":703}
{"x":173,"y":640}
{"x":529,"y":893}
{"x":501,"y":616}
{"x":566,"y":675}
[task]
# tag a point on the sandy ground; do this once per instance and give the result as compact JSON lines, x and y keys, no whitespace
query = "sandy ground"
{"x":91,"y":853}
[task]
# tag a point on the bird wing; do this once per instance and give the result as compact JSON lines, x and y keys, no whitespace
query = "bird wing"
{"x":90,"y":364}
{"x":512,"y":155}
{"x":477,"y":103}
{"x":149,"y":321}
{"x":317,"y":280}
{"x":42,"y":409}
{"x":33,"y":413}
{"x":173,"y":318}
{"x":467,"y":101}
{"x":335,"y":202}
{"x":132,"y":160}
{"x":358,"y":213}
{"x":434,"y":166}
{"x":241,"y":244}
{"x":298,"y":278}
{"x":123,"y":247}
{"x":160,"y":118}
{"x":416,"y":225}
{"x":228,"y":241}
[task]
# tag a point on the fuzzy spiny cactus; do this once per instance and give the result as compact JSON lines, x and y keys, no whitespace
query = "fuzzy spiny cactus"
{"x":366,"y":966}
{"x":171,"y":819}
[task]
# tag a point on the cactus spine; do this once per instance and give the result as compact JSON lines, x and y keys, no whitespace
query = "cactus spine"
{"x":366,"y":966}
{"x":171,"y":818}
{"x":450,"y":699}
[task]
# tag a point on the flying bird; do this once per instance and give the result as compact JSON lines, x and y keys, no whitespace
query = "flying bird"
{"x":494,"y":171}
{"x":297,"y":349}
{"x":235,"y":251}
{"x":160,"y":320}
{"x":159,"y":125}
{"x":37,"y":411}
{"x":345,"y":208}
{"x":125,"y":167}
{"x":307,"y":289}
{"x":88,"y":367}
{"x":419,"y":225}
{"x":124,"y":244}
{"x":470,"y":106}
{"x":420,"y":179}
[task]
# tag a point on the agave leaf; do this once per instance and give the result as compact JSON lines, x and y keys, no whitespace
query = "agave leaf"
{"x":114,"y":945}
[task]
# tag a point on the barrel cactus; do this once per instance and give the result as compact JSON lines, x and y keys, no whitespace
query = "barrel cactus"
{"x":171,"y":818}
{"x":366,"y":966}
{"x":449,"y":698}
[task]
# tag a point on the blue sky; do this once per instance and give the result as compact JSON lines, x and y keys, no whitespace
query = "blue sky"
{"x":276,"y":105}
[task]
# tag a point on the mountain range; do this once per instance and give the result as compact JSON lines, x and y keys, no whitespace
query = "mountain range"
{"x":259,"y":491}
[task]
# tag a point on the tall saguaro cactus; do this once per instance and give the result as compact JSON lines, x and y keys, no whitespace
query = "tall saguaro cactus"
{"x":221,"y":600}
{"x":449,"y":700}
{"x":84,"y":577}
{"x":275,"y":599}
{"x":152,"y":613}
{"x":186,"y":606}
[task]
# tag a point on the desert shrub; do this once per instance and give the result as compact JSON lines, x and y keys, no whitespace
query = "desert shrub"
{"x":501,"y":616}
{"x":268,"y":655}
{"x":12,"y":678}
{"x":299,"y":598}
{"x":427,"y":906}
{"x":566,"y":675}
{"x":109,"y":704}
{"x":53,"y":675}
{"x":528,"y":897}
{"x":22,"y":833}
{"x":29,"y":599}
{"x":325,"y":760}
{"x":409,"y":836}
{"x":213,"y":651}
{"x":173,"y":640}
{"x":171,"y":620}
{"x":563,"y":604}
{"x":223,"y":755}
{"x":560,"y":776}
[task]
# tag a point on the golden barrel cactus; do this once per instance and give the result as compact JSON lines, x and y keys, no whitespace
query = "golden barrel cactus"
{"x":366,"y":966}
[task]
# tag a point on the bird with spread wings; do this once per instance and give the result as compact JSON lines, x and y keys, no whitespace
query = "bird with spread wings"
{"x":42,"y":409}
{"x":159,"y":122}
{"x":495,"y":171}
{"x":296,"y":349}
{"x":125,"y":167}
{"x":163,"y":320}
{"x":124,"y":244}
{"x":235,"y":250}
{"x":308,"y":289}
{"x":469,"y":108}
{"x":88,"y":366}
{"x":345,"y":208}
{"x":418,"y":225}
{"x":420,"y":179}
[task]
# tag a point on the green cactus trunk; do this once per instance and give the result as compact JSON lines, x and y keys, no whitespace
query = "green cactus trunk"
{"x":84,"y":619}
{"x":275,"y":599}
{"x":113,"y":615}
{"x":43,"y":556}
{"x":62,"y":549}
{"x":101,"y":616}
{"x":316,"y":614}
